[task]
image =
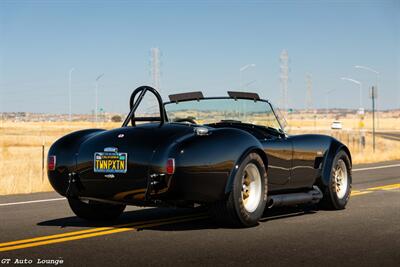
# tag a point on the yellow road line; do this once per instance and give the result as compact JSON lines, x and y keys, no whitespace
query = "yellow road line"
{"x":359,"y":193}
{"x":88,"y":231}
{"x":108,"y":232}
{"x":53,"y":236}
{"x":385,"y":187}
{"x":372,"y":189}
{"x":100,"y":231}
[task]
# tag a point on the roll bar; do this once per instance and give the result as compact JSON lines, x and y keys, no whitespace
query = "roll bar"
{"x":142,"y":90}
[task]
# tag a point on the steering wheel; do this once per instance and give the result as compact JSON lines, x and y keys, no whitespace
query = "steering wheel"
{"x":190,"y":120}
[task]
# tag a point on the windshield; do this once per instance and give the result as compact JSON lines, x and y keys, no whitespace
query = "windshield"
{"x":215,"y":110}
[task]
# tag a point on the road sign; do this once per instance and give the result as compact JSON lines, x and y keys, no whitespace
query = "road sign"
{"x":373,"y":92}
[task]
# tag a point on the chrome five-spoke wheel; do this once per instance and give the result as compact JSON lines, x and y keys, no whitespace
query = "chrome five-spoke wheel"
{"x":251,"y":187}
{"x":340,"y":179}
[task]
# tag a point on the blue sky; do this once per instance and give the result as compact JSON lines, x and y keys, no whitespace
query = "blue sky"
{"x":203,"y":45}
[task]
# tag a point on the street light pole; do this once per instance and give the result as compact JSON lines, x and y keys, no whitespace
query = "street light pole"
{"x":373,"y":97}
{"x":96,"y":95}
{"x":376,"y":83}
{"x":370,"y":70}
{"x":245,"y":67}
{"x":360,"y":86}
{"x":69,"y":93}
{"x":360,"y":113}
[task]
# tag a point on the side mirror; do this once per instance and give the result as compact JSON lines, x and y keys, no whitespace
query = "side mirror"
{"x":282,"y":134}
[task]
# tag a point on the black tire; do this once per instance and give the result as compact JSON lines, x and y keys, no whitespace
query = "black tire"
{"x":231,"y":211}
{"x":331,"y":200}
{"x":95,"y":211}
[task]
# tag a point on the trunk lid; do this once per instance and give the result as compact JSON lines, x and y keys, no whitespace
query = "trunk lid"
{"x":140,"y":143}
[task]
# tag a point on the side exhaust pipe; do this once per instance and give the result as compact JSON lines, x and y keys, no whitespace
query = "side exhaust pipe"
{"x":312,"y":196}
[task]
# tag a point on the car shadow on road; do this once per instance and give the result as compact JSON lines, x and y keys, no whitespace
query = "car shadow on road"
{"x":128,"y":217}
{"x":140,"y":219}
{"x":209,"y":223}
{"x":288,"y":212}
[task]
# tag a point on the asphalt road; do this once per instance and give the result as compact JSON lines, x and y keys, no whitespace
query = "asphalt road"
{"x":366,"y":233}
{"x":390,"y":135}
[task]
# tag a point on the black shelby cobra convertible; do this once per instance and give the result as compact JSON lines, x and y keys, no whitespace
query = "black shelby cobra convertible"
{"x":230,"y":154}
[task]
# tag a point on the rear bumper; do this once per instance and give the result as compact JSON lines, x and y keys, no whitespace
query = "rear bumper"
{"x":112,"y":188}
{"x":201,"y":187}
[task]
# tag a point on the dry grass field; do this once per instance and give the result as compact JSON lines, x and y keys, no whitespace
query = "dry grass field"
{"x":23,"y":144}
{"x":22,"y":166}
{"x":350,"y":135}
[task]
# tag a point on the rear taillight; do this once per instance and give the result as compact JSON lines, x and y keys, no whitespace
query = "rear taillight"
{"x":51,"y":163}
{"x":170,"y":166}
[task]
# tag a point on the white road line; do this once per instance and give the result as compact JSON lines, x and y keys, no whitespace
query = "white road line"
{"x":31,"y":201}
{"x":377,"y":167}
{"x":63,"y":198}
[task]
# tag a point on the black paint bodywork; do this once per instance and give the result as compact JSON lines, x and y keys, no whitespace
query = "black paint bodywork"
{"x":204,"y":164}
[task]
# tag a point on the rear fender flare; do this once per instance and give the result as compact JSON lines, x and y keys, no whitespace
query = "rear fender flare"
{"x":257,"y":148}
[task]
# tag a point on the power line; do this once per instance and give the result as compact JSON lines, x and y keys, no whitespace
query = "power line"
{"x":284,"y":78}
{"x":155,"y":68}
{"x":309,"y":97}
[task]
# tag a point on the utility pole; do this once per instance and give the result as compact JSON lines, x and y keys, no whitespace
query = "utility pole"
{"x":70,"y":94}
{"x":155,"y":68}
{"x":309,"y":100}
{"x":284,"y":78}
{"x":97,"y":96}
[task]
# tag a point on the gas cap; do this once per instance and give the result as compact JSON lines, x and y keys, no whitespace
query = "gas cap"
{"x":200,"y":131}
